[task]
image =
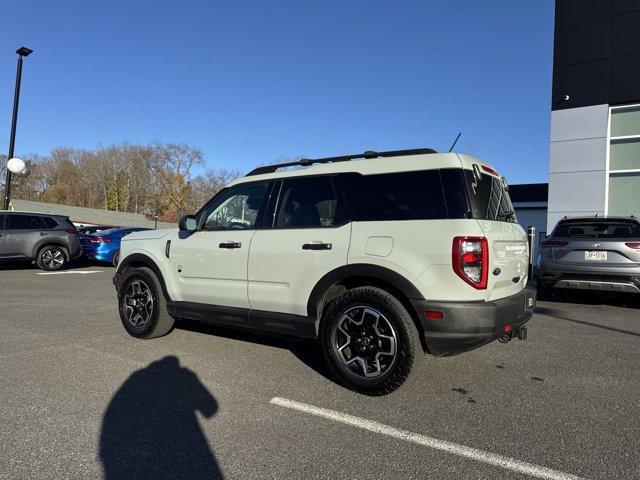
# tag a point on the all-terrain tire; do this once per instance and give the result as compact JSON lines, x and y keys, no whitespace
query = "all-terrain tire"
{"x":396,"y":319}
{"x":152,"y":322}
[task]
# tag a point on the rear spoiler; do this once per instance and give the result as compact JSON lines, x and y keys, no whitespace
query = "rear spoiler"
{"x":477,"y":173}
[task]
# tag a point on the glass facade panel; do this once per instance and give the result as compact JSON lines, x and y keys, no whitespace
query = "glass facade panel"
{"x":625,"y":121}
{"x":624,"y":194}
{"x":624,"y":154}
{"x":624,"y":158}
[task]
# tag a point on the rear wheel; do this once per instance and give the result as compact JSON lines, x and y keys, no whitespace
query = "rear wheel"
{"x":116,"y":258}
{"x":369,"y":340}
{"x":142,"y":305}
{"x":51,"y":258}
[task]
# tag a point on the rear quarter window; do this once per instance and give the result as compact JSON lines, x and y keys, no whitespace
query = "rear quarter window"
{"x":50,"y":222}
{"x":418,"y":195}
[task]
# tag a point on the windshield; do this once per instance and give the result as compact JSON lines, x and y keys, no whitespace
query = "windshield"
{"x":598,"y":229}
{"x":489,"y":198}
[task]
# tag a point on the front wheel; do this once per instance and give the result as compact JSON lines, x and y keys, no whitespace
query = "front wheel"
{"x":369,"y":340}
{"x":142,"y":305}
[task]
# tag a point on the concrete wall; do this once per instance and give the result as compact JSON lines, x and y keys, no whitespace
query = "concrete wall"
{"x":577,"y":162}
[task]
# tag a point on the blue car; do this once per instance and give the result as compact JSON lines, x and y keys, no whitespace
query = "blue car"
{"x":104,"y":246}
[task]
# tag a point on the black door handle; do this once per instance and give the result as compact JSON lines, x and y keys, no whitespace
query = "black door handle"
{"x":42,"y":234}
{"x":230,"y":245}
{"x":317,"y":246}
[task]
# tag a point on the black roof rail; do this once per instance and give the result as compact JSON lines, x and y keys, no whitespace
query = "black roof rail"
{"x":305,"y":162}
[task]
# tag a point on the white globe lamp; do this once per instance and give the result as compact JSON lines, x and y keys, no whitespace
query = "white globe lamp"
{"x":17,"y":165}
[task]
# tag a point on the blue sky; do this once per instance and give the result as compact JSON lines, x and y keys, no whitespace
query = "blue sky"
{"x":249,"y":82}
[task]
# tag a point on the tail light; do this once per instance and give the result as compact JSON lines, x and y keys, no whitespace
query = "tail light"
{"x":553,"y":243}
{"x":633,"y":245}
{"x":470,"y":257}
{"x":72,"y":231}
{"x":100,"y":239}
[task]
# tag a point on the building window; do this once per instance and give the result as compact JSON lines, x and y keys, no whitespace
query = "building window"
{"x":624,"y":161}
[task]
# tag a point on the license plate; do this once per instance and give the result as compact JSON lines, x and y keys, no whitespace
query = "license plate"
{"x":597,"y":256}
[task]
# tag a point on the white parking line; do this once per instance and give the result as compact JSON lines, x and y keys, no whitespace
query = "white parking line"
{"x":430,"y":442}
{"x":69,"y":272}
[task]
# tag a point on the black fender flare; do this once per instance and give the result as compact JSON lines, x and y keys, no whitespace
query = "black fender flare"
{"x":139,"y":259}
{"x":360,"y":270}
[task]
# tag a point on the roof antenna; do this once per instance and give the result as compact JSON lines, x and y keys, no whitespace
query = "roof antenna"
{"x":455,"y":141}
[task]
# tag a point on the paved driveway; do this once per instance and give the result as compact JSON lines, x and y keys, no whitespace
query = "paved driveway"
{"x":81,"y":399}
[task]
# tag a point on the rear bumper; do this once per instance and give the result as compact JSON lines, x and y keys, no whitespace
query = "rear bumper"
{"x":601,"y":283}
{"x":467,"y":325}
{"x":99,"y":253}
{"x":75,"y":251}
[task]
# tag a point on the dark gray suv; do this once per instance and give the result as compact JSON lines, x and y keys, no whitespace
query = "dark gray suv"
{"x":50,"y":240}
{"x":591,"y":253}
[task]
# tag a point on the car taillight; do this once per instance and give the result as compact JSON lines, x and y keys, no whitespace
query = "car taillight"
{"x":72,"y":231}
{"x":633,"y":244}
{"x":470,"y":257}
{"x":100,"y":239}
{"x":553,"y":243}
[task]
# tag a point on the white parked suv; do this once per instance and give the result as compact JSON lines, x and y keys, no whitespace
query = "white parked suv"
{"x":379,"y":256}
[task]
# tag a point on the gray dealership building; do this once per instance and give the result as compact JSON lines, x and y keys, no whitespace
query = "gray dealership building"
{"x":594,"y":162}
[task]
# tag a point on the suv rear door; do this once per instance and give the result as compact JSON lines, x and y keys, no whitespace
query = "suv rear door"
{"x":508,"y":247}
{"x":306,"y":236}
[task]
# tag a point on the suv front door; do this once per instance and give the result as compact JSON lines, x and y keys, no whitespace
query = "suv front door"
{"x":309,"y":238}
{"x":211,"y":263}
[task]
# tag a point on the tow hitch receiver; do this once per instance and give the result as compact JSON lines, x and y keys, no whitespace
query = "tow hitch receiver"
{"x":520,"y":333}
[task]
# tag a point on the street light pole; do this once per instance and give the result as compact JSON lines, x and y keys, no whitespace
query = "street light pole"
{"x":22,"y":53}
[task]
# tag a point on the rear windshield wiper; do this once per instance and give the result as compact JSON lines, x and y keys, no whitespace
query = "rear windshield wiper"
{"x":507,"y":214}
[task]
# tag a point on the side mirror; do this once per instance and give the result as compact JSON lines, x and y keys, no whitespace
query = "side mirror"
{"x":188,"y":223}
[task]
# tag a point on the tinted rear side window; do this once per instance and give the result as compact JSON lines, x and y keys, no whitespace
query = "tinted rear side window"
{"x":25,"y":222}
{"x":50,"y":222}
{"x":2,"y":220}
{"x":489,"y":198}
{"x":598,"y":229}
{"x":415,"y":195}
{"x":307,"y":203}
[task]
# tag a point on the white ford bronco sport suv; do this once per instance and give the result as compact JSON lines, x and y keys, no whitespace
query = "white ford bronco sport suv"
{"x":379,"y":256}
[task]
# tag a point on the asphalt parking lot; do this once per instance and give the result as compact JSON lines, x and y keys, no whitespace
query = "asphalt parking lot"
{"x":79,"y":398}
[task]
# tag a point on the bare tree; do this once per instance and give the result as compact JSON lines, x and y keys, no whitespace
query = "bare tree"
{"x":148,"y":179}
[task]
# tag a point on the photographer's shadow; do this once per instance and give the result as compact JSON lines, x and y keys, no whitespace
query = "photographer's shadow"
{"x":150,"y":429}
